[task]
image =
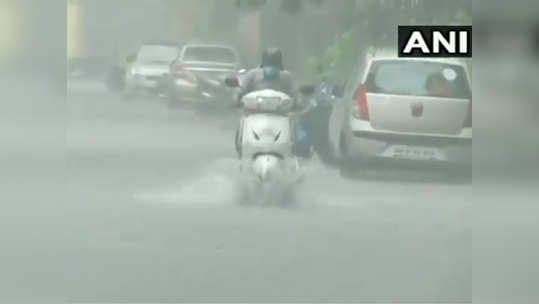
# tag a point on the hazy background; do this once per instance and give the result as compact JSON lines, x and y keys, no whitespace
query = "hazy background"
{"x":67,"y":228}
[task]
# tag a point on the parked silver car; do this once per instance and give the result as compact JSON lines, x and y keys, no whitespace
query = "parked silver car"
{"x":409,"y":110}
{"x":197,"y":75}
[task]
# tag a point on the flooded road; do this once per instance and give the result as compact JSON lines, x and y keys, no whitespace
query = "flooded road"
{"x":152,"y":216}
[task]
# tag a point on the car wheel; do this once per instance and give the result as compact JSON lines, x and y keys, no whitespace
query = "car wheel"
{"x":173,"y":102}
{"x":348,"y":171}
{"x":458,"y":175}
{"x":348,"y":167}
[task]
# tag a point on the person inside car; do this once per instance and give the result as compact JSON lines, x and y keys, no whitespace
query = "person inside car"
{"x":438,"y":86}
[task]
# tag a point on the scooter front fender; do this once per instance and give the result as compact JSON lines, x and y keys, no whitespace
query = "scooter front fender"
{"x":267,"y":166}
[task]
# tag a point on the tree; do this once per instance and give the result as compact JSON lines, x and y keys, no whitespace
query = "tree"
{"x":373,"y":23}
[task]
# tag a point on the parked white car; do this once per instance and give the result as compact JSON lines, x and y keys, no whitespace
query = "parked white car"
{"x":148,"y":69}
{"x":407,"y":110}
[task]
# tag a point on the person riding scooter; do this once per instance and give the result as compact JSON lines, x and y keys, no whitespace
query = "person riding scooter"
{"x":272,"y":75}
{"x":269,"y":75}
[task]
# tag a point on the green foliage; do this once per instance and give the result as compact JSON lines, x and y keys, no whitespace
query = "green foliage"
{"x":335,"y":61}
{"x":374,"y":23}
{"x":369,"y":23}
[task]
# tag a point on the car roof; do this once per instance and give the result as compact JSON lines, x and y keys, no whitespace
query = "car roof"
{"x":362,"y":68}
{"x":388,"y":54}
{"x":208,"y":46}
{"x":162,"y":43}
{"x":434,"y":60}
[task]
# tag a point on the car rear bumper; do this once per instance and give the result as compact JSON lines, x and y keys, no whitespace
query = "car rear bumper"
{"x":380,"y":146}
{"x":184,"y":89}
{"x":143,"y":82}
{"x":187,"y":91}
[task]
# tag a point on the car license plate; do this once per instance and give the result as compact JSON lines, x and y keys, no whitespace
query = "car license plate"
{"x":414,"y":153}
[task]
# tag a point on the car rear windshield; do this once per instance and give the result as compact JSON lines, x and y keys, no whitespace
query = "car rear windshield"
{"x":157,"y":53}
{"x":210,"y":54}
{"x":418,"y":78}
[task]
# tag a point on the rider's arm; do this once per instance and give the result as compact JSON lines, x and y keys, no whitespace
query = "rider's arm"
{"x":246,"y":85}
{"x":292,"y":89}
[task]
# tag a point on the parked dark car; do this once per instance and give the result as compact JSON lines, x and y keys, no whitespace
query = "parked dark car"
{"x":197,"y":76}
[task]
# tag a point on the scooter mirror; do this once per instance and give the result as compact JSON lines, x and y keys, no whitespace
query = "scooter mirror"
{"x":232,"y":82}
{"x":338,"y":91}
{"x":131,"y":58}
{"x":307,"y":90}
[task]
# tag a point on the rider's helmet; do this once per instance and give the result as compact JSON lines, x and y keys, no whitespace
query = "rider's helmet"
{"x":272,"y":57}
{"x":272,"y":63}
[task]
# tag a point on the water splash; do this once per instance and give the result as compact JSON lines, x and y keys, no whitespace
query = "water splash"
{"x":216,"y":185}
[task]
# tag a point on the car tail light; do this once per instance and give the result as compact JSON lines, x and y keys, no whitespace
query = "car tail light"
{"x":360,"y":107}
{"x":469,"y":116}
{"x":177,"y":68}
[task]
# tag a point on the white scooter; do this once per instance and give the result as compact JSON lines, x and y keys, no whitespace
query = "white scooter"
{"x":265,"y":142}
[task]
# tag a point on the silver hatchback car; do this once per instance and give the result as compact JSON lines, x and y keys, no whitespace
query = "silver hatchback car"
{"x":404,"y":110}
